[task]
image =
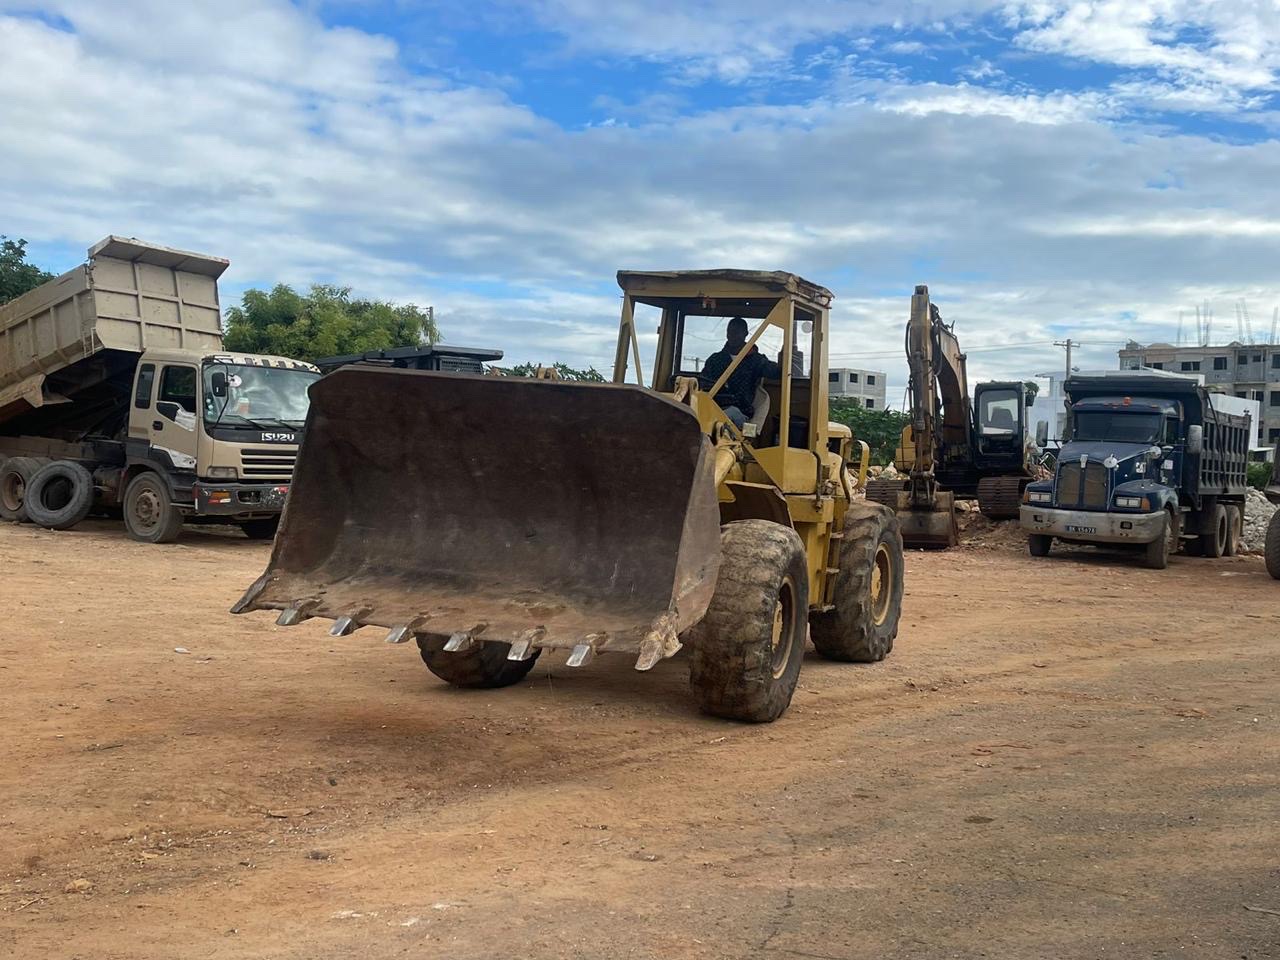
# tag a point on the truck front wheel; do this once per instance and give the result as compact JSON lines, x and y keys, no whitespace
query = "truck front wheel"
{"x":1039,"y":544}
{"x":149,"y":513}
{"x":264,"y":529}
{"x":1162,"y":547}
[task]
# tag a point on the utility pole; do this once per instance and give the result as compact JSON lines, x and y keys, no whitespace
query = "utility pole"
{"x":1068,"y":343}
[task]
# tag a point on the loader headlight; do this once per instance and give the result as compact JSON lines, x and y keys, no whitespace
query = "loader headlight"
{"x":222,"y":473}
{"x":1129,"y":503}
{"x":1038,"y":496}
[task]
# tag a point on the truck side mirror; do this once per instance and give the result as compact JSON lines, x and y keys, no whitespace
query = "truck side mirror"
{"x":1195,"y":438}
{"x":1042,"y":433}
{"x":218,"y":381}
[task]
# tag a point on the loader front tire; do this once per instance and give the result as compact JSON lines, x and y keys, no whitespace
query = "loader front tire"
{"x":868,"y":591}
{"x":748,"y":648}
{"x":485,"y":666}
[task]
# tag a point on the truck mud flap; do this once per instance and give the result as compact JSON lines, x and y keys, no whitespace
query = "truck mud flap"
{"x":534,"y":513}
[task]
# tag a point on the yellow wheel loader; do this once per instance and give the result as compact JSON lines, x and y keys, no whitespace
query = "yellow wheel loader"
{"x":491,"y":519}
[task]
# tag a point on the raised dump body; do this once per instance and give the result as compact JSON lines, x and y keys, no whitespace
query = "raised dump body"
{"x":126,"y":298}
{"x":113,"y":377}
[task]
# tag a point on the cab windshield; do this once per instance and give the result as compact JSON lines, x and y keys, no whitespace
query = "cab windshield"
{"x":257,"y":396}
{"x":998,"y":413}
{"x":1118,"y":427}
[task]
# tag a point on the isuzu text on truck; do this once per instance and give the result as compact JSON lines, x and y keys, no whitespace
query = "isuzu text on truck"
{"x":117,"y":397}
{"x":1149,"y":462}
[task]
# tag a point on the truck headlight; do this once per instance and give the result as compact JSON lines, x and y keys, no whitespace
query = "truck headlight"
{"x":1131,"y":503}
{"x":1039,"y":496}
{"x":222,"y":473}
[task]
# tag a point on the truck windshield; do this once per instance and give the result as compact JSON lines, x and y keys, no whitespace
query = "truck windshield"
{"x":1119,"y":427}
{"x":257,"y":395}
{"x":998,"y":413}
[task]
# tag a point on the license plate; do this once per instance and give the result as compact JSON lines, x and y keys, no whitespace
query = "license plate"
{"x":1072,"y":528}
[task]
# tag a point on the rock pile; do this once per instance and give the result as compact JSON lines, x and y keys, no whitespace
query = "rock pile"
{"x":1257,"y":514}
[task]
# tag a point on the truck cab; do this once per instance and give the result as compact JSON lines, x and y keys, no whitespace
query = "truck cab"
{"x":1148,"y":462}
{"x":222,"y":428}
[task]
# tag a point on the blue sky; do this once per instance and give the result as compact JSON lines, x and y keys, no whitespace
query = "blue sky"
{"x":1086,"y":168}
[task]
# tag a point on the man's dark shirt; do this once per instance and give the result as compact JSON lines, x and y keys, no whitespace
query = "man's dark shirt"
{"x":740,"y":389}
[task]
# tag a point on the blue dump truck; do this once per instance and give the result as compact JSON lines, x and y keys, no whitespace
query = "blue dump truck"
{"x":1148,"y":463}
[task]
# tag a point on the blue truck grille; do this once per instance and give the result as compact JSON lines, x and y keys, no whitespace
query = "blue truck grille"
{"x":1085,"y":488}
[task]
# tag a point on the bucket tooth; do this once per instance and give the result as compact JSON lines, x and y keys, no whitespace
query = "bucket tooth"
{"x":299,"y":611}
{"x":349,"y":623}
{"x":459,"y":642}
{"x":582,"y":653}
{"x":406,"y":631}
{"x":660,"y":642}
{"x":522,"y":649}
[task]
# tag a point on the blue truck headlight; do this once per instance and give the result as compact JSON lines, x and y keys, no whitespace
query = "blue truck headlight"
{"x":1039,"y":496}
{"x":1131,"y":503}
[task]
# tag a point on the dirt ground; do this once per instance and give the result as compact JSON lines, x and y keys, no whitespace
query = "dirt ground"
{"x":1069,"y":757}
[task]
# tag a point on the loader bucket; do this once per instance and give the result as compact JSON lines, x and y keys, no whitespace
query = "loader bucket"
{"x":536,"y":513}
{"x":928,"y":527}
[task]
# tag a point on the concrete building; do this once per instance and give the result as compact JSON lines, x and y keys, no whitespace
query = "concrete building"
{"x":1246,"y":371}
{"x":866,"y":386}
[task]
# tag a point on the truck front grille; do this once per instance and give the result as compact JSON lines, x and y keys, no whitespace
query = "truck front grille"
{"x":1091,"y":482}
{"x":267,"y":463}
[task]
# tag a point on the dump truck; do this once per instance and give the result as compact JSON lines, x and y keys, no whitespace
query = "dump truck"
{"x":492,"y":519}
{"x":1148,"y":463}
{"x":953,"y":447}
{"x":116,"y":396}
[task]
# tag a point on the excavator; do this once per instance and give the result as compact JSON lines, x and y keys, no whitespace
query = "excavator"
{"x":953,"y":448}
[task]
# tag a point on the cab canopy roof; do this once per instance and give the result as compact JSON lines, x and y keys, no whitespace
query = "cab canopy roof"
{"x":702,"y":288}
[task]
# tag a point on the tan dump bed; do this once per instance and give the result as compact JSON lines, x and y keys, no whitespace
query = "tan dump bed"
{"x":128,"y":296}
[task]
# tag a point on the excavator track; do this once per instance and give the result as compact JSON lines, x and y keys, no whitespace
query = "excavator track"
{"x":1000,"y":497}
{"x":885,"y":490}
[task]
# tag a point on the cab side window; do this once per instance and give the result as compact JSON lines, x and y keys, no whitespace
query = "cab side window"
{"x":178,"y":385}
{"x":146,"y":377}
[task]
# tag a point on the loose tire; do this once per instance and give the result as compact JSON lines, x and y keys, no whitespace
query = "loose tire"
{"x":59,"y":495}
{"x":748,"y":648}
{"x":868,"y":590}
{"x":1039,"y":544}
{"x":1159,"y":550}
{"x":1213,"y":542}
{"x":1272,"y":549}
{"x":1235,"y":530}
{"x":261,"y":529}
{"x":15,"y":474}
{"x":149,"y":513}
{"x":484,"y":666}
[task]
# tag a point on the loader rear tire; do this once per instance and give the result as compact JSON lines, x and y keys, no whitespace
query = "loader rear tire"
{"x":748,"y":648}
{"x":15,"y":474}
{"x":1271,"y":550}
{"x":485,"y":666}
{"x":868,"y":590}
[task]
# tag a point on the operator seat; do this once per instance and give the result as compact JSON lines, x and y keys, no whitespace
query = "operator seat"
{"x":1002,"y":420}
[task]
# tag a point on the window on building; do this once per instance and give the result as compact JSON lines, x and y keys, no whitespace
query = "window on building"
{"x":1131,"y":365}
{"x":833,"y":378}
{"x":1242,"y":394}
{"x":870,"y":404}
{"x":1273,"y":435}
{"x":871,"y":380}
{"x":853,"y":378}
{"x":1219,"y":363}
{"x":1257,"y":358}
{"x":1157,"y":366}
{"x":1275,"y":361}
{"x":1257,"y":395}
{"x":1242,"y":358}
{"x":1275,"y":398}
{"x":1190,"y":364}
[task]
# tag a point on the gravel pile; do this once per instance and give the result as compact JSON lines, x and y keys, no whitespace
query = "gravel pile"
{"x":1257,"y":514}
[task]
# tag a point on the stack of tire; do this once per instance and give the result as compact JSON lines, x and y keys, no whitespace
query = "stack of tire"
{"x":56,"y":494}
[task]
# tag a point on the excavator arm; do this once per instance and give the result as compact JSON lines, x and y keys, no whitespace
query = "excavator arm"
{"x":939,"y":392}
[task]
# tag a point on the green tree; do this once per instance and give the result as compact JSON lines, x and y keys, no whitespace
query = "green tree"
{"x":326,"y":322}
{"x":878,"y":429}
{"x":589,"y":375}
{"x":16,"y":275}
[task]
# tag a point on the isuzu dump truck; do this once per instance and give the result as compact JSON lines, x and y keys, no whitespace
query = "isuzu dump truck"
{"x":117,"y":397}
{"x":1149,"y":462}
